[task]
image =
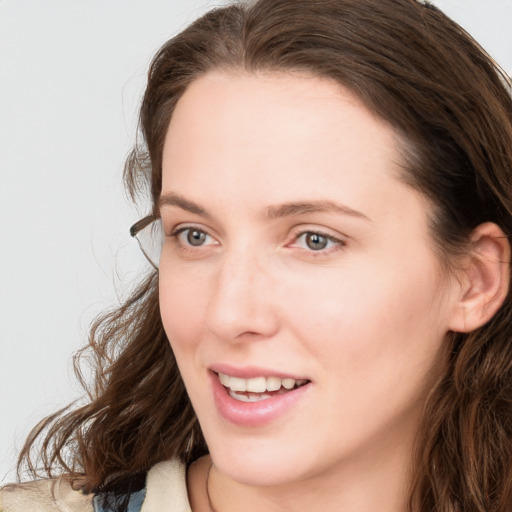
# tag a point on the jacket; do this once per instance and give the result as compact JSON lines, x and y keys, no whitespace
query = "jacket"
{"x":165,"y":491}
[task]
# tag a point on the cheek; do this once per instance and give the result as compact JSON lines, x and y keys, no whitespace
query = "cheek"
{"x":182,"y":306}
{"x":374,"y":348}
{"x":360,"y":318}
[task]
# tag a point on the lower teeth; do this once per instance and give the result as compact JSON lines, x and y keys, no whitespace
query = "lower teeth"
{"x":248,"y":397}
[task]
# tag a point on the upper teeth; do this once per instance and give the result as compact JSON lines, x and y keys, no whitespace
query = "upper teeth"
{"x":258,"y":384}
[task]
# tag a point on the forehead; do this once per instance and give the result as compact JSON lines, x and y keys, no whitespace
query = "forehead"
{"x":278,"y":110}
{"x":282,"y":135}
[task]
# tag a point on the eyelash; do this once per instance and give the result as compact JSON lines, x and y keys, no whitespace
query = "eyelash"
{"x":338,"y":243}
{"x":181,"y":230}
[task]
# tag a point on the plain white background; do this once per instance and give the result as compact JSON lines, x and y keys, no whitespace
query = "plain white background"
{"x":72,"y":73}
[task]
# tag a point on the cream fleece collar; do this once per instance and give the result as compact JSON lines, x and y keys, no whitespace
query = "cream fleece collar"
{"x":166,"y":488}
{"x":166,"y":491}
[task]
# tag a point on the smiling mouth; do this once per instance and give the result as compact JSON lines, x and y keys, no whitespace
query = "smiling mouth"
{"x":258,"y":388}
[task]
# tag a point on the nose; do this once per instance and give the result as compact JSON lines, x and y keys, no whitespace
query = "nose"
{"x":242,"y":304}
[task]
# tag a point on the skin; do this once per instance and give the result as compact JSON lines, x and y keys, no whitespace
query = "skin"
{"x":365,"y":319}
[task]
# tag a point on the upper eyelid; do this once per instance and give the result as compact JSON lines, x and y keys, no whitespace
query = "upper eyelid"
{"x":183,"y":226}
{"x":338,"y":237}
{"x":180,"y":229}
{"x":319,"y":232}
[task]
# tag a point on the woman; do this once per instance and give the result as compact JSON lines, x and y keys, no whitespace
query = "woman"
{"x":328,"y":325}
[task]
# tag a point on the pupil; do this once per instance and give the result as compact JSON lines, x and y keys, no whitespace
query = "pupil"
{"x":316,"y":242}
{"x":195,"y":237}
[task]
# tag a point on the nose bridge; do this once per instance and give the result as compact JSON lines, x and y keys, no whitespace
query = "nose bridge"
{"x":241,"y":299}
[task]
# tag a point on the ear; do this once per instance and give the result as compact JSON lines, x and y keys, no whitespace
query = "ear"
{"x":484,"y":279}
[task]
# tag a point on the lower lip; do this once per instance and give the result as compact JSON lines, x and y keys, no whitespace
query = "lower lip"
{"x":253,"y":414}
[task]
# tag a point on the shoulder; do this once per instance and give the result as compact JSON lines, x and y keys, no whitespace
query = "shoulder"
{"x":166,"y":489}
{"x":50,"y":495}
{"x":166,"y":485}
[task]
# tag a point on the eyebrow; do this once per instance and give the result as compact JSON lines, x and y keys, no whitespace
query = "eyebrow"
{"x":173,"y":199}
{"x":273,"y":212}
{"x":301,"y":208}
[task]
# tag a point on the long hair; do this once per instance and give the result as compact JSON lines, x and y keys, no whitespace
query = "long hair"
{"x":451,"y":107}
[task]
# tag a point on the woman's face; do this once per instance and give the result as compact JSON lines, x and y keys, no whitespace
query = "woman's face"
{"x":295,"y":257}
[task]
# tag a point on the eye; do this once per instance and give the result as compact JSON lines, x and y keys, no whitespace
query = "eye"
{"x":314,"y":241}
{"x":193,"y":237}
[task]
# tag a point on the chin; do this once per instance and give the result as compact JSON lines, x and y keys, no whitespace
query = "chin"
{"x":258,"y":474}
{"x":259,"y":462}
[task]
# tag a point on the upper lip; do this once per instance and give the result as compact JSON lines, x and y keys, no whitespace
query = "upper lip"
{"x":250,"y":372}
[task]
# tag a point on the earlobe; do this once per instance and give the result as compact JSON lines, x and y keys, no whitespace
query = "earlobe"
{"x":485,"y":279}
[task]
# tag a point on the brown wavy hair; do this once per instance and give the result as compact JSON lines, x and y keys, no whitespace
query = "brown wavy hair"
{"x":451,"y":107}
